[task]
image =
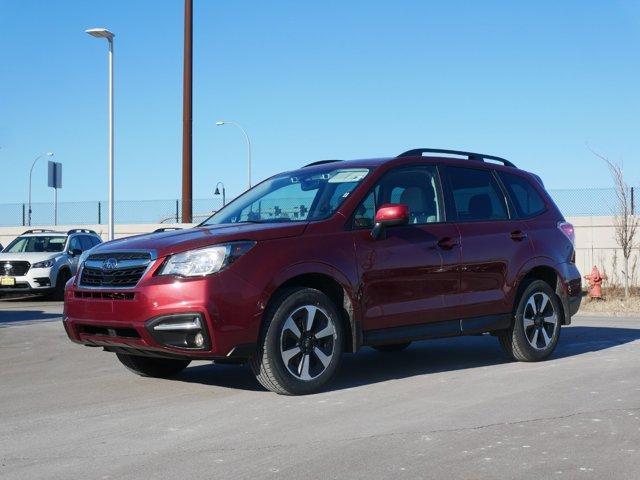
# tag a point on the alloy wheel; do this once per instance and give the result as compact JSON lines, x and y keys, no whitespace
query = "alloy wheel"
{"x":540,"y":320}
{"x":307,"y":342}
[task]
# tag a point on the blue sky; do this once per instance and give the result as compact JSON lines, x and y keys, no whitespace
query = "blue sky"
{"x":529,"y":81}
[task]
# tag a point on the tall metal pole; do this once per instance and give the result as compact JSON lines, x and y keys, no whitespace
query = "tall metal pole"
{"x":111,"y":141}
{"x":104,"y":33}
{"x":55,"y":206}
{"x":49,"y":154}
{"x":187,"y":164}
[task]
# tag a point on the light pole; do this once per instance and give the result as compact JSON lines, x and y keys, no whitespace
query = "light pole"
{"x":217,"y":192}
{"x":48,"y":154}
{"x":104,"y":33}
{"x":223,"y":122}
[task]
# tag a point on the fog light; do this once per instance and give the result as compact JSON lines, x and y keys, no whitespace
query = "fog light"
{"x":185,"y":331}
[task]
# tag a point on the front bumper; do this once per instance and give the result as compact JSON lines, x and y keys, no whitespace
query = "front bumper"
{"x":29,"y":284}
{"x":121,"y":320}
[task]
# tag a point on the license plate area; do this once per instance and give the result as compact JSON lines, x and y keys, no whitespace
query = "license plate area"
{"x":7,"y":281}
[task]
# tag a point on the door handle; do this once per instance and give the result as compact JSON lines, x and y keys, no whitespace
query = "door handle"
{"x":518,"y":236}
{"x":447,"y":243}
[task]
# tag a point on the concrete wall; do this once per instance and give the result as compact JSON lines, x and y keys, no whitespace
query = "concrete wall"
{"x":595,"y":244}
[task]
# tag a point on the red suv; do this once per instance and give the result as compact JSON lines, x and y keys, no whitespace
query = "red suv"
{"x":332,"y":257}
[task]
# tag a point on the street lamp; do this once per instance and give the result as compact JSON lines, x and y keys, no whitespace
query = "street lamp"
{"x":104,"y":33}
{"x":224,"y":122}
{"x":217,"y":192}
{"x":48,"y":154}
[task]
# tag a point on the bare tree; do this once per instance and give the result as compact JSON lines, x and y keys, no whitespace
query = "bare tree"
{"x":625,"y":222}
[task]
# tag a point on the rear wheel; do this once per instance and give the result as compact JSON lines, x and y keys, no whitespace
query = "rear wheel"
{"x":151,"y":366}
{"x":536,"y":327}
{"x":393,"y":347}
{"x":302,"y":340}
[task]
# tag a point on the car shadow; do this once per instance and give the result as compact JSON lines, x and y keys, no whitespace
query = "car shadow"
{"x":24,"y":317}
{"x":370,"y":366}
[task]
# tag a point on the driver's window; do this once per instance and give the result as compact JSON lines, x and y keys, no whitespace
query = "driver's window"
{"x":74,"y":244}
{"x":417,"y":187}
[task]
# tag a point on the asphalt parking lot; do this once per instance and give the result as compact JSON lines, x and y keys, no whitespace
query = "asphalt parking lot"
{"x":441,"y":409}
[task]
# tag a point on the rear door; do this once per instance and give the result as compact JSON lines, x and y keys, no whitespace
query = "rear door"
{"x":494,"y":244}
{"x":410,"y":274}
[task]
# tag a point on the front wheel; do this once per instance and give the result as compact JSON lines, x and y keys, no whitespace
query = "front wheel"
{"x":63,"y":277}
{"x":151,"y":366}
{"x":536,"y":328}
{"x":301,"y":344}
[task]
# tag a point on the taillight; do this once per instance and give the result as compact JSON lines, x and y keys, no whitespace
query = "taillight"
{"x":568,"y":230}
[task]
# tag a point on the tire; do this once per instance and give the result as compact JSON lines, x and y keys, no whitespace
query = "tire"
{"x":63,"y":277}
{"x":152,"y":367}
{"x":295,"y":357}
{"x":535,"y":331}
{"x":392,"y":347}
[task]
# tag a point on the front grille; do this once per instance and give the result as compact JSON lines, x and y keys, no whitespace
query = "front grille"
{"x":14,"y":268}
{"x":114,"y":270}
{"x":105,"y":295}
{"x":95,"y":277}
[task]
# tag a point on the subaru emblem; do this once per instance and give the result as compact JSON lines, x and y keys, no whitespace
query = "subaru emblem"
{"x":7,"y":268}
{"x":109,"y":264}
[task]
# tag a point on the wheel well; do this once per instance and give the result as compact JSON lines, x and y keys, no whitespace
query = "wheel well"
{"x":332,"y":289}
{"x":544,"y":273}
{"x":63,"y":270}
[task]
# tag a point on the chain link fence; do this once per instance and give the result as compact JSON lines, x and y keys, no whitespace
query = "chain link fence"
{"x":88,"y":213}
{"x":572,"y":202}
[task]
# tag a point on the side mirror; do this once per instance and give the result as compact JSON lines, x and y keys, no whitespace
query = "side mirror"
{"x":389,"y":215}
{"x":75,"y":252}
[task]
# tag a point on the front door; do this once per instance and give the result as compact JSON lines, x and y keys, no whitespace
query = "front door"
{"x":410,"y":274}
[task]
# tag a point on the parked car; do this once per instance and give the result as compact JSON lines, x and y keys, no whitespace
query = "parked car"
{"x":42,"y":261}
{"x":332,"y":257}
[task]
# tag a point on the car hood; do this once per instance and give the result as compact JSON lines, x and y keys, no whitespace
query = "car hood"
{"x":175,"y":241}
{"x":29,"y":257}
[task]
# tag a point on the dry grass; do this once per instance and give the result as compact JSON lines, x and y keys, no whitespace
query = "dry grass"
{"x":613,"y":303}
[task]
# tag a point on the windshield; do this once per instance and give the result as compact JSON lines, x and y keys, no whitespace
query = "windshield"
{"x":292,"y":197}
{"x":36,"y":244}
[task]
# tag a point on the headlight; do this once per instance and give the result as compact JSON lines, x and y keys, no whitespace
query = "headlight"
{"x":204,"y":261}
{"x":44,"y":264}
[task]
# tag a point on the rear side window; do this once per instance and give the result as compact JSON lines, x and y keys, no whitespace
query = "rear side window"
{"x":527,"y":200}
{"x":476,"y":195}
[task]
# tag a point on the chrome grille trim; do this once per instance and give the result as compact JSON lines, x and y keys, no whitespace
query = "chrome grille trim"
{"x":131,"y":267}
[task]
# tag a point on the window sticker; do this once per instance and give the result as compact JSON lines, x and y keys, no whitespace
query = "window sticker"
{"x":349,"y":175}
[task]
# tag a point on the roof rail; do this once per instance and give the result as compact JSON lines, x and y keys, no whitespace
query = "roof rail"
{"x":166,"y":229}
{"x":81,"y":230}
{"x":478,"y":157}
{"x":39,"y":230}
{"x":321,"y":162}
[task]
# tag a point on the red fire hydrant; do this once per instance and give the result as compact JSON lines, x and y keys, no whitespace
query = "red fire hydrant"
{"x":595,"y":283}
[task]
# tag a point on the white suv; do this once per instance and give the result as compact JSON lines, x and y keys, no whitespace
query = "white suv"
{"x":41,"y":261}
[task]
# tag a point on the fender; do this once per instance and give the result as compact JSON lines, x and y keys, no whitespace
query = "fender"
{"x":309,"y":268}
{"x":544,"y":261}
